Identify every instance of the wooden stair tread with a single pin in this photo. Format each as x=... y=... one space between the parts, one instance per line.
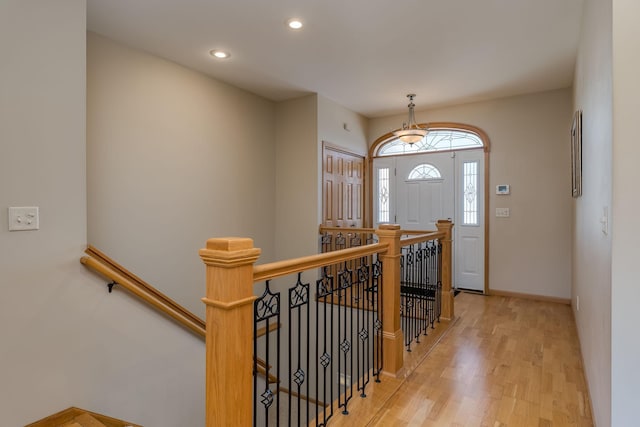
x=84 y=420
x=76 y=417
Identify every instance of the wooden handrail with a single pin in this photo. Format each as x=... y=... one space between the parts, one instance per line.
x=353 y=230
x=408 y=232
x=302 y=396
x=109 y=268
x=263 y=331
x=114 y=271
x=261 y=367
x=322 y=228
x=295 y=265
x=155 y=299
x=422 y=237
x=138 y=282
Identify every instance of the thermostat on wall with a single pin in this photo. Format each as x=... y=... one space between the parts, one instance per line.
x=503 y=189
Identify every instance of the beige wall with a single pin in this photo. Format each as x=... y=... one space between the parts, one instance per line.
x=332 y=119
x=174 y=158
x=592 y=247
x=65 y=340
x=625 y=289
x=530 y=252
x=297 y=201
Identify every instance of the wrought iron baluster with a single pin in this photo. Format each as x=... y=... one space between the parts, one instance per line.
x=345 y=326
x=266 y=308
x=324 y=317
x=326 y=242
x=363 y=326
x=298 y=299
x=377 y=298
x=420 y=291
x=431 y=281
x=439 y=282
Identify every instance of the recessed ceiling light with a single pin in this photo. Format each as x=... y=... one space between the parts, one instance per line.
x=294 y=23
x=220 y=54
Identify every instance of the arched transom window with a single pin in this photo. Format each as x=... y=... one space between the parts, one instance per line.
x=436 y=140
x=424 y=171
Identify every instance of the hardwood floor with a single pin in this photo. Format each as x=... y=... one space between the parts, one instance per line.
x=504 y=362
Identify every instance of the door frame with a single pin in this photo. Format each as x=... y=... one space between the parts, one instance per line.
x=373 y=151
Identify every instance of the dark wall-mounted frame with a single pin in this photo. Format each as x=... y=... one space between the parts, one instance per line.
x=576 y=154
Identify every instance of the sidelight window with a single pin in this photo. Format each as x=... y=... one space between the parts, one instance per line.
x=470 y=193
x=383 y=195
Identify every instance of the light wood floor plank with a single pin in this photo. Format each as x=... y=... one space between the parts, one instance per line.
x=504 y=362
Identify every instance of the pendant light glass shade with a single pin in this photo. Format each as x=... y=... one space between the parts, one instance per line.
x=411 y=132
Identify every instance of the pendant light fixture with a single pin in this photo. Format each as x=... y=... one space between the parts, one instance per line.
x=411 y=132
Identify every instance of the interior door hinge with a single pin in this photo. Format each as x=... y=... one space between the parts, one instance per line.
x=395 y=172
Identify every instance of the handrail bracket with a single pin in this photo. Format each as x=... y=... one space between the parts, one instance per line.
x=111 y=285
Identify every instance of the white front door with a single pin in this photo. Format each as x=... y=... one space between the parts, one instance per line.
x=416 y=196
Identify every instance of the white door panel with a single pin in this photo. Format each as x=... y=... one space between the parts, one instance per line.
x=412 y=203
x=469 y=246
x=436 y=210
x=422 y=202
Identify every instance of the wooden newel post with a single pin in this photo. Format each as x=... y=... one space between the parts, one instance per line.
x=229 y=303
x=392 y=337
x=446 y=226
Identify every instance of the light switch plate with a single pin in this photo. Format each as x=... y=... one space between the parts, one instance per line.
x=24 y=218
x=604 y=221
x=503 y=212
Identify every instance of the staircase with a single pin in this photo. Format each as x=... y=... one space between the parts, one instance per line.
x=76 y=417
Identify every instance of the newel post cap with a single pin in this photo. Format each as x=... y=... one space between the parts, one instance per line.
x=229 y=243
x=229 y=251
x=445 y=225
x=389 y=227
x=389 y=231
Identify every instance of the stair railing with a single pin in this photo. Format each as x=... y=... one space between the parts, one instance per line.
x=349 y=277
x=99 y=262
x=421 y=262
x=420 y=285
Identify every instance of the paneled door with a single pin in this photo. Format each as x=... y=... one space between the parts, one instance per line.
x=425 y=186
x=342 y=188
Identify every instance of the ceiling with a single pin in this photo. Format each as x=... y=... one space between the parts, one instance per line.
x=363 y=54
